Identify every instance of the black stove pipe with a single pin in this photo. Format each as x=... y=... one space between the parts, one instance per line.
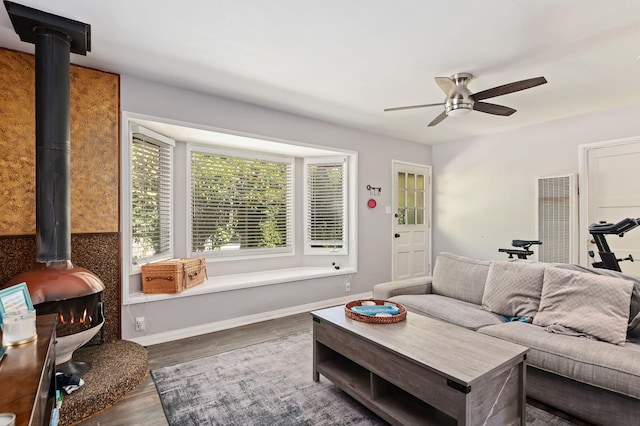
x=53 y=147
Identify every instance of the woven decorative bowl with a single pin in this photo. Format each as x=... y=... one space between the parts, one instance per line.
x=373 y=319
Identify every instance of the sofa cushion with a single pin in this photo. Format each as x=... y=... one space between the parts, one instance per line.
x=601 y=364
x=633 y=330
x=592 y=304
x=450 y=310
x=419 y=285
x=513 y=288
x=460 y=277
x=634 y=309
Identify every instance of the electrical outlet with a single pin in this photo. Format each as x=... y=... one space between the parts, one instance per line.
x=140 y=324
x=347 y=286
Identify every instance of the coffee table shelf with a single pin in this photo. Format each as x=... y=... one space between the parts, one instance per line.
x=340 y=369
x=421 y=371
x=382 y=397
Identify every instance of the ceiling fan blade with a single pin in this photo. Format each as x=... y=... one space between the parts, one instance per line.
x=509 y=88
x=493 y=108
x=413 y=106
x=447 y=85
x=438 y=119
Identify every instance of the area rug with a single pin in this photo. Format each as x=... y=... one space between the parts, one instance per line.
x=268 y=384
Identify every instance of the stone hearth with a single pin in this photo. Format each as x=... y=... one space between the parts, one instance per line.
x=117 y=369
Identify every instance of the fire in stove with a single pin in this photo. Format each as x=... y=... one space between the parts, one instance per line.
x=76 y=314
x=75 y=321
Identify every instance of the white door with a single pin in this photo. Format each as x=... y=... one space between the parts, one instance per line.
x=411 y=220
x=613 y=173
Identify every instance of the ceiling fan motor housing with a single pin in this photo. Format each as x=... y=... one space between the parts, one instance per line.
x=460 y=101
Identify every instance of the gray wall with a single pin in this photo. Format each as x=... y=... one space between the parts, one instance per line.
x=485 y=188
x=375 y=153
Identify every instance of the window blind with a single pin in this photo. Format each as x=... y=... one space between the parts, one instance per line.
x=325 y=205
x=151 y=193
x=240 y=204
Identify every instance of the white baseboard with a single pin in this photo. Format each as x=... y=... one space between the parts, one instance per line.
x=184 y=333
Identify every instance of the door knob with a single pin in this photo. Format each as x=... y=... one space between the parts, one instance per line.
x=397 y=235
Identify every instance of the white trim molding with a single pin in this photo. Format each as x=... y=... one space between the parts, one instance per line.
x=184 y=333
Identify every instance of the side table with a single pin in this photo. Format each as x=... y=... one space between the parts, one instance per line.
x=27 y=374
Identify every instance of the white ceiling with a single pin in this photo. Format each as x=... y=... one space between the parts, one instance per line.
x=345 y=61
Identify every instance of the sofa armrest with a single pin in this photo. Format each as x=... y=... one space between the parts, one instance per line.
x=420 y=285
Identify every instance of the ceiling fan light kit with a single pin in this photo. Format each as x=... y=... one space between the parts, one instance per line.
x=456 y=110
x=460 y=101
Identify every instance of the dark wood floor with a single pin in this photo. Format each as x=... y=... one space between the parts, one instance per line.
x=142 y=406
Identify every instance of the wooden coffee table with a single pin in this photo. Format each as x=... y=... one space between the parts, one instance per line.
x=421 y=371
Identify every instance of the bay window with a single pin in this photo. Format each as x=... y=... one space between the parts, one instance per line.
x=246 y=204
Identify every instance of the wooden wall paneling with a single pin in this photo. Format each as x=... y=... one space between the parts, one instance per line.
x=95 y=152
x=95 y=115
x=17 y=146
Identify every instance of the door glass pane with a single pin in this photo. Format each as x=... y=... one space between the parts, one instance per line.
x=411 y=217
x=411 y=198
x=401 y=216
x=401 y=180
x=401 y=199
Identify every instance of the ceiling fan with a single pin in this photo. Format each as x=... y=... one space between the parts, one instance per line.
x=461 y=101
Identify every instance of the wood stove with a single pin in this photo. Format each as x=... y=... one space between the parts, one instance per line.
x=55 y=284
x=74 y=294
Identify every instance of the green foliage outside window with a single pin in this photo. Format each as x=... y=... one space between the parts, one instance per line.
x=239 y=203
x=151 y=189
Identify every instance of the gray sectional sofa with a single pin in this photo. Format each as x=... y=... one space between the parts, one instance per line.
x=582 y=326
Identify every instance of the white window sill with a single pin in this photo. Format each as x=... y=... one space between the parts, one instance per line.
x=240 y=281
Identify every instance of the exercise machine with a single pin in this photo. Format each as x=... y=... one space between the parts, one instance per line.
x=599 y=232
x=522 y=248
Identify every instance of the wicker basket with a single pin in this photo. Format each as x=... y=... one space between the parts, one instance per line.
x=173 y=276
x=372 y=319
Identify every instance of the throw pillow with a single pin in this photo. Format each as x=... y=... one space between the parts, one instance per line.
x=634 y=310
x=633 y=330
x=513 y=288
x=460 y=277
x=634 y=314
x=591 y=304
